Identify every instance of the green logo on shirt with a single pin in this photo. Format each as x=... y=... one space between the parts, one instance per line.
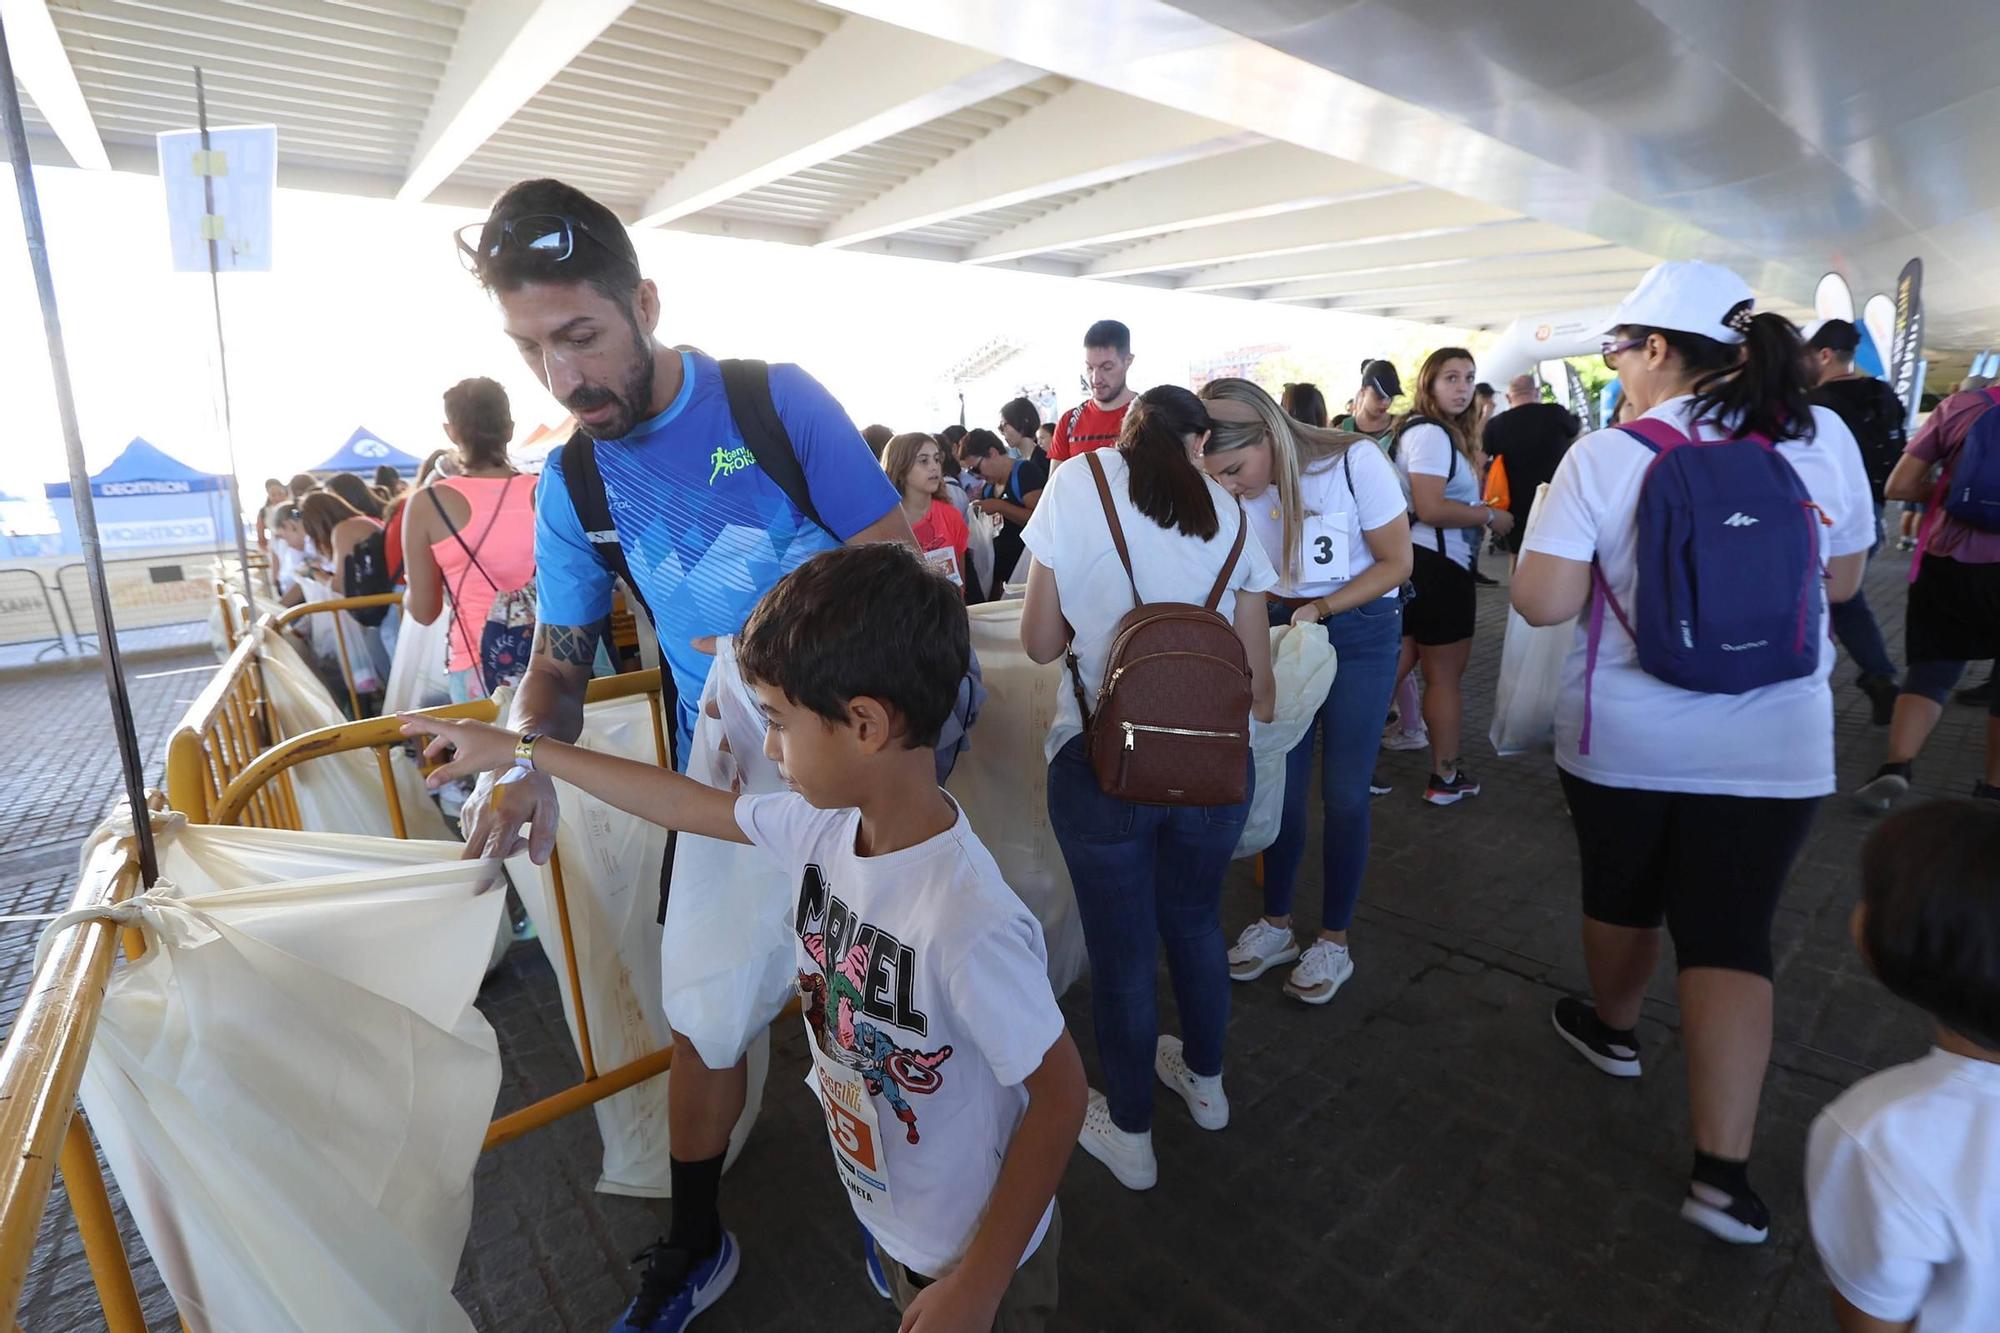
x=729 y=462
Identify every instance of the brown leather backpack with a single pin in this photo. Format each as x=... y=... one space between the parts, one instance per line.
x=1172 y=722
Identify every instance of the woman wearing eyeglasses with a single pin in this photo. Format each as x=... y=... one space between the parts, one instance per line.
x=1691 y=786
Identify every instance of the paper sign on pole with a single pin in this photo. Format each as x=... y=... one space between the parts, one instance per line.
x=242 y=166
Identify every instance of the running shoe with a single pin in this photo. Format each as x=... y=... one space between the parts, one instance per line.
x=1740 y=1219
x=1881 y=692
x=1128 y=1156
x=1204 y=1096
x=1379 y=785
x=675 y=1288
x=1890 y=784
x=1438 y=791
x=1615 y=1053
x=1324 y=969
x=877 y=1279
x=1261 y=947
x=1395 y=738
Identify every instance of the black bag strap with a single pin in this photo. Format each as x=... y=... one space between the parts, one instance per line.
x=471 y=555
x=747 y=384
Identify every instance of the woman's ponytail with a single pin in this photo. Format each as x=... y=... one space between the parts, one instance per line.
x=1164 y=482
x=1759 y=388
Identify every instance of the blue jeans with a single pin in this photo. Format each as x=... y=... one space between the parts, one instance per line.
x=1365 y=641
x=1145 y=873
x=1855 y=629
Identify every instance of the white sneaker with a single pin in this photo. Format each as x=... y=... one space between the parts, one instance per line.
x=1321 y=972
x=1395 y=738
x=1261 y=947
x=1129 y=1156
x=1204 y=1096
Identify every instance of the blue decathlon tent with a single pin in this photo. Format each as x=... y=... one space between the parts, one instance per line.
x=146 y=498
x=364 y=452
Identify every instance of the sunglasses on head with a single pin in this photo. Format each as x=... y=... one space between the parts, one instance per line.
x=549 y=236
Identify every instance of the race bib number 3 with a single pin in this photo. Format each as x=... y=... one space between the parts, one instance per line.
x=1325 y=546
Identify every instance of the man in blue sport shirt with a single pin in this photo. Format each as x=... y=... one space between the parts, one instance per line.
x=705 y=532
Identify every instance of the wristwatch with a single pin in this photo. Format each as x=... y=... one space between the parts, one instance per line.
x=524 y=758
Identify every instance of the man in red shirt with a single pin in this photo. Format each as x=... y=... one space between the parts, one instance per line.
x=1107 y=356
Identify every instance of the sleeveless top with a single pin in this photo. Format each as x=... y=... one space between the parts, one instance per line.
x=501 y=532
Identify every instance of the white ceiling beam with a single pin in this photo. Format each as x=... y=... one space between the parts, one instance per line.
x=1608 y=262
x=1083 y=136
x=43 y=67
x=1263 y=181
x=1412 y=211
x=506 y=51
x=865 y=82
x=1388 y=253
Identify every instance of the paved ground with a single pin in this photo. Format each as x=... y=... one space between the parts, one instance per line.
x=1421 y=1155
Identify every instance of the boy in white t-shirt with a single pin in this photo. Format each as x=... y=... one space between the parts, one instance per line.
x=1903 y=1169
x=952 y=1090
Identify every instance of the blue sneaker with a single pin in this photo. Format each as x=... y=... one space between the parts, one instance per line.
x=672 y=1293
x=876 y=1277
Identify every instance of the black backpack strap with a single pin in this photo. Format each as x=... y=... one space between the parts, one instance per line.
x=748 y=387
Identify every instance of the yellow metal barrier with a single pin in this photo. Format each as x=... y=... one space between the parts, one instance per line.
x=225 y=729
x=292 y=614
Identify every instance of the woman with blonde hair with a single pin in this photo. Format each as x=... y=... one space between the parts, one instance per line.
x=915 y=464
x=1332 y=520
x=1433 y=446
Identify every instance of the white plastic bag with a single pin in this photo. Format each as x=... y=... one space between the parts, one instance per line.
x=416 y=672
x=1531 y=668
x=340 y=793
x=292 y=1085
x=1303 y=662
x=1002 y=782
x=727 y=953
x=979 y=552
x=611 y=884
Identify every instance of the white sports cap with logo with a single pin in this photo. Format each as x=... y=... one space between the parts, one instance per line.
x=1689 y=296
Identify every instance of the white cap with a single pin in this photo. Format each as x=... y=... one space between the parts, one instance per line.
x=1689 y=296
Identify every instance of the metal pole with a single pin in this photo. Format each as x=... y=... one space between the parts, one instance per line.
x=79 y=474
x=221 y=347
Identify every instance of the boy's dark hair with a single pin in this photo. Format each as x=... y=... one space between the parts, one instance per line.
x=980 y=442
x=951 y=434
x=1109 y=333
x=876 y=436
x=1930 y=878
x=478 y=410
x=387 y=477
x=875 y=620
x=1021 y=414
x=601 y=251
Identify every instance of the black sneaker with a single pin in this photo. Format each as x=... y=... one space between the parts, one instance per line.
x=1616 y=1053
x=1981 y=695
x=1379 y=785
x=1890 y=784
x=1740 y=1219
x=1484 y=580
x=1881 y=692
x=1440 y=792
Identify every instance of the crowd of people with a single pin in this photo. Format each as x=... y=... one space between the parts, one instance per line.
x=1708 y=546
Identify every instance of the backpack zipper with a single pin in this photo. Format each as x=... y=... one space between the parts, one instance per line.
x=1132 y=728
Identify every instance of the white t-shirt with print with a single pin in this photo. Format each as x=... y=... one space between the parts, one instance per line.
x=928 y=965
x=1774 y=741
x=1903 y=1189
x=1334 y=545
x=1426 y=450
x=1068 y=533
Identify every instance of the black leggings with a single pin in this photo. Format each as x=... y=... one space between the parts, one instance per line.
x=1710 y=867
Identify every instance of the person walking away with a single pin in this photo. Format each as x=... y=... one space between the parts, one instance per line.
x=1954 y=609
x=1432 y=446
x=1145 y=874
x=1529 y=440
x=1694 y=737
x=1330 y=519
x=471 y=537
x=1095 y=423
x=1013 y=487
x=915 y=466
x=954 y=1105
x=1874 y=416
x=704 y=530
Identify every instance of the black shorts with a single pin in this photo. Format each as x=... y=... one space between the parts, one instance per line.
x=1954 y=612
x=1710 y=867
x=1446 y=602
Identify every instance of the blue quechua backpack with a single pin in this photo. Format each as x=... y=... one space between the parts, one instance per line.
x=1972 y=484
x=1728 y=597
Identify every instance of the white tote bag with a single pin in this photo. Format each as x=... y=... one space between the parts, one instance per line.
x=292 y=1086
x=1303 y=662
x=1531 y=668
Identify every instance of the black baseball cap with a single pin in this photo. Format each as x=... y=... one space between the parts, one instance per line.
x=1835 y=335
x=1381 y=376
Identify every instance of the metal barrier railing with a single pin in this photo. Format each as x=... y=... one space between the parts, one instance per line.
x=144 y=591
x=27 y=611
x=224 y=730
x=292 y=614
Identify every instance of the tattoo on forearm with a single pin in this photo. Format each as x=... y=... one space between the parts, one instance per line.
x=573 y=645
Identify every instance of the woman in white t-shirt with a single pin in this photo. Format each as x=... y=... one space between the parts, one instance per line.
x=1143 y=874
x=1433 y=446
x=1332 y=520
x=1689 y=807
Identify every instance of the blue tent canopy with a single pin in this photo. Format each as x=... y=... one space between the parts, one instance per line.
x=144 y=469
x=364 y=452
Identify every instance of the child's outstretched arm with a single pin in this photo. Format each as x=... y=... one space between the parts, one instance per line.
x=966 y=1297
x=656 y=795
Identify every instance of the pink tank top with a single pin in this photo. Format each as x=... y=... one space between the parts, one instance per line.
x=501 y=535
